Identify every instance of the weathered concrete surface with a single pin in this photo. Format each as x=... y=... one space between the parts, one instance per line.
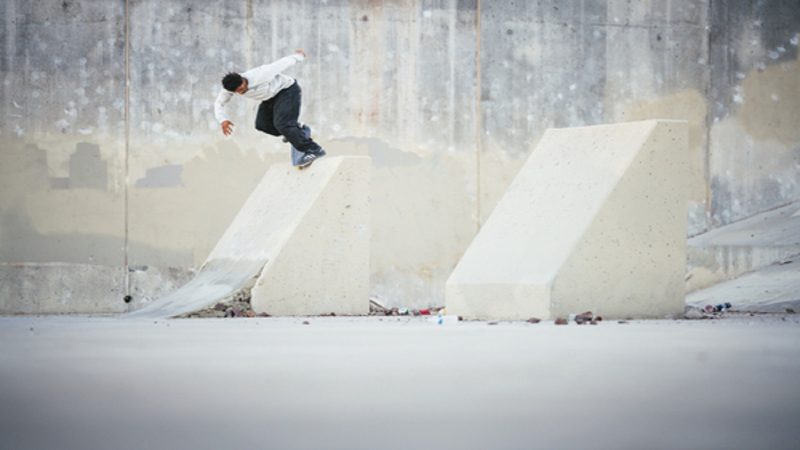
x=61 y=288
x=73 y=288
x=770 y=289
x=754 y=151
x=595 y=220
x=323 y=264
x=730 y=251
x=303 y=235
x=367 y=383
x=448 y=97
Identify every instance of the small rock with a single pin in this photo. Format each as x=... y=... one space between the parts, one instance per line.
x=561 y=321
x=305 y=322
x=220 y=307
x=250 y=313
x=531 y=320
x=622 y=321
x=263 y=315
x=692 y=313
x=790 y=311
x=491 y=323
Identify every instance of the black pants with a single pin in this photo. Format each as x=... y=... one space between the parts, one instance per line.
x=278 y=117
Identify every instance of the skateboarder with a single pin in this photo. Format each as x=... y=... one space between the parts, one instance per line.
x=280 y=98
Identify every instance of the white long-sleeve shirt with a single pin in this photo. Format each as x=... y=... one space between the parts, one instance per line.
x=263 y=83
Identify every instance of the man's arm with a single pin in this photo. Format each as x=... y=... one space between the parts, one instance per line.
x=221 y=113
x=268 y=71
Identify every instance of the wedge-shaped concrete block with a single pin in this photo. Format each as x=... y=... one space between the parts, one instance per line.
x=595 y=220
x=300 y=245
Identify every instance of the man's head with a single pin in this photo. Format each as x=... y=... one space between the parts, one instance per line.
x=234 y=82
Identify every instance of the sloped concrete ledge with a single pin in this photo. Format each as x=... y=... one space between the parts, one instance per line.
x=595 y=220
x=303 y=236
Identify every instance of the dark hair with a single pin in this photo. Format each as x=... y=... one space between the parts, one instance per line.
x=232 y=81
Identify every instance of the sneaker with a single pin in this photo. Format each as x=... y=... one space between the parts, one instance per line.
x=307 y=159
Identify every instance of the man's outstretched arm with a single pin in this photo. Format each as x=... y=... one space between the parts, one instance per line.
x=268 y=71
x=221 y=111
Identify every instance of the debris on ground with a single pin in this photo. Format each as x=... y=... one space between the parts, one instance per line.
x=586 y=317
x=376 y=308
x=561 y=321
x=790 y=311
x=534 y=320
x=693 y=313
x=717 y=308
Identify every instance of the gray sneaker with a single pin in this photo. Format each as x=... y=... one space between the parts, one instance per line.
x=309 y=158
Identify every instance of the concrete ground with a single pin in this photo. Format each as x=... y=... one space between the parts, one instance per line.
x=368 y=382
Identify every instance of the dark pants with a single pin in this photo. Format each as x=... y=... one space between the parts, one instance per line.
x=278 y=117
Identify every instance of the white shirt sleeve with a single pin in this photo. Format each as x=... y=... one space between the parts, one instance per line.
x=268 y=71
x=220 y=108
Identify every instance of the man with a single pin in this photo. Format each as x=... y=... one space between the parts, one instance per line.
x=280 y=98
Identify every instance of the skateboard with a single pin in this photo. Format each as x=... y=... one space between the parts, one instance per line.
x=297 y=155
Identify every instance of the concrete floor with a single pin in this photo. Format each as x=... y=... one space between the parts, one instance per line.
x=106 y=383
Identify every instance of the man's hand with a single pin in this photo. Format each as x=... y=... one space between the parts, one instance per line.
x=300 y=51
x=227 y=127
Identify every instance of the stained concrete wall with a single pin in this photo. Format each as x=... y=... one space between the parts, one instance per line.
x=447 y=97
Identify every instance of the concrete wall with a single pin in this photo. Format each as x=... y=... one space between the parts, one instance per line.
x=448 y=97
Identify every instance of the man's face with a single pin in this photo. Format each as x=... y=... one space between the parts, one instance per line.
x=242 y=87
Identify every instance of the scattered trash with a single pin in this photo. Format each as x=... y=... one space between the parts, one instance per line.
x=561 y=321
x=717 y=308
x=584 y=317
x=376 y=308
x=425 y=312
x=533 y=320
x=402 y=311
x=444 y=320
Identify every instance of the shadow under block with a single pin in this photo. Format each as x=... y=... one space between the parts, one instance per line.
x=595 y=220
